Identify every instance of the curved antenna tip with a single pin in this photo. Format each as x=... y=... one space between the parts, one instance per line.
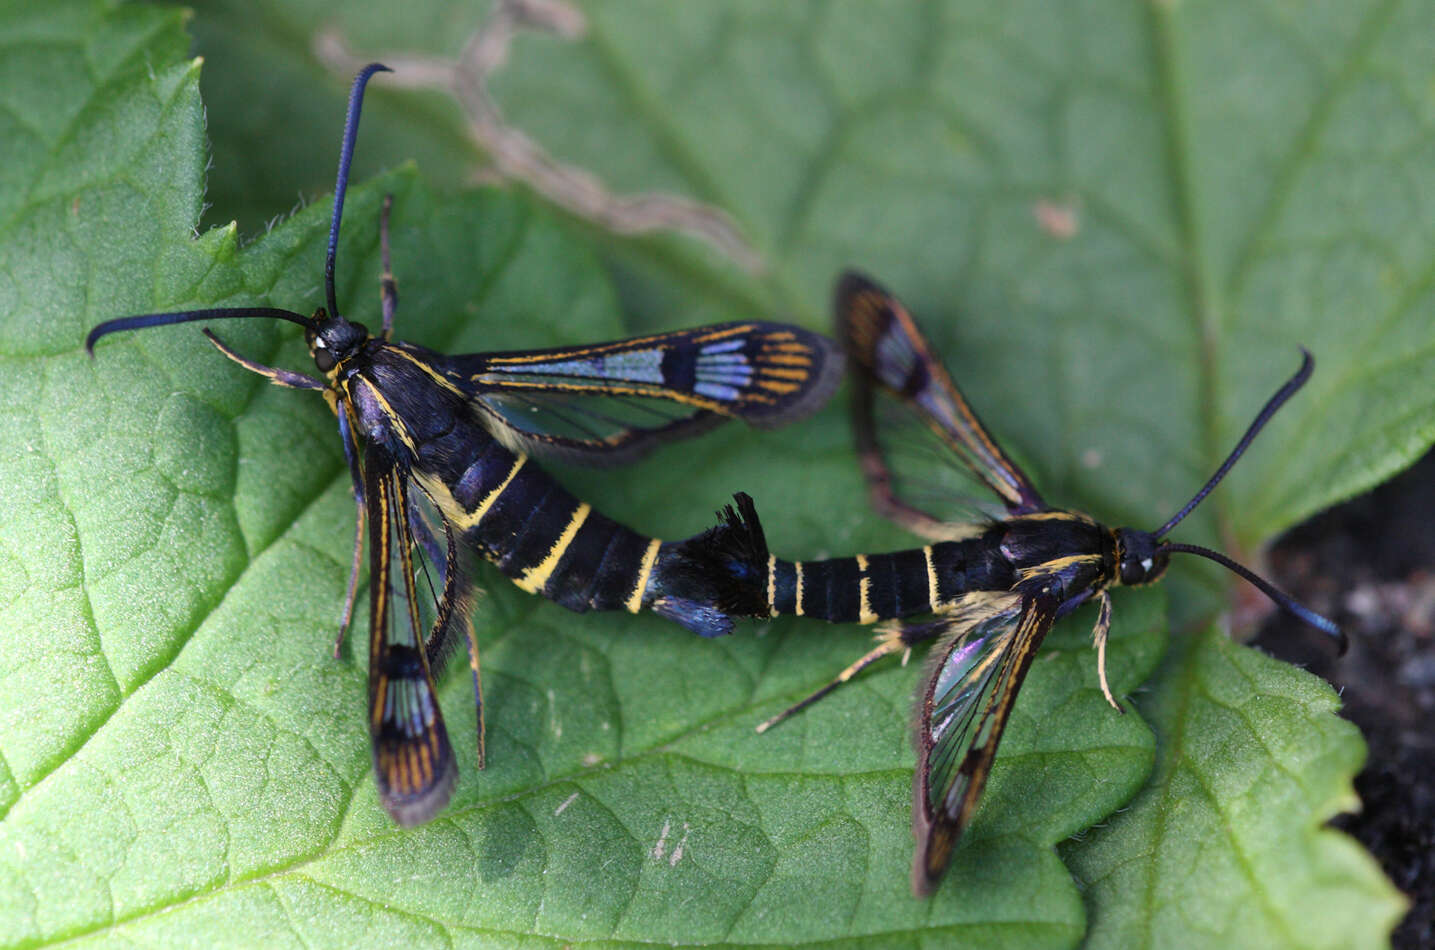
x=1281 y=599
x=341 y=181
x=1287 y=390
x=142 y=321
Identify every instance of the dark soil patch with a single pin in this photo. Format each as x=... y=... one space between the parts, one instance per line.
x=1370 y=565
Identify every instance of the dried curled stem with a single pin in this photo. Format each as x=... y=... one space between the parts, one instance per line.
x=517 y=157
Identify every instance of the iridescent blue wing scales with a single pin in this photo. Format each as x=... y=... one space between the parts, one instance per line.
x=611 y=402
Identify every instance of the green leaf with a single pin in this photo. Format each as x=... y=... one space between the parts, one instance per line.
x=182 y=762
x=1250 y=755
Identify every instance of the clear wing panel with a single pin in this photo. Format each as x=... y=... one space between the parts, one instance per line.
x=964 y=706
x=618 y=399
x=892 y=356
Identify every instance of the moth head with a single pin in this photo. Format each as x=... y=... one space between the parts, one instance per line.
x=1162 y=549
x=332 y=340
x=1140 y=557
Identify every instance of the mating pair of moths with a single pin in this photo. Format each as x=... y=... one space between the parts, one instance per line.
x=438 y=449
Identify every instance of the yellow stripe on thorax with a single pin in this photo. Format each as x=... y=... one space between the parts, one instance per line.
x=396 y=422
x=427 y=368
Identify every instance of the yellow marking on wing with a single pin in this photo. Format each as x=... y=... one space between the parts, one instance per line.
x=778 y=387
x=865 y=613
x=650 y=557
x=1057 y=564
x=652 y=391
x=773 y=359
x=534 y=578
x=776 y=373
x=428 y=370
x=738 y=330
x=976 y=607
x=580 y=352
x=969 y=436
x=381 y=697
x=379 y=599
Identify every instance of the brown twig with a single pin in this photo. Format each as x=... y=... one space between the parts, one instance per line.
x=515 y=155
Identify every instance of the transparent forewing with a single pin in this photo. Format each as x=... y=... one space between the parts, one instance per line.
x=446 y=596
x=963 y=709
x=911 y=474
x=890 y=353
x=413 y=761
x=441 y=579
x=429 y=556
x=618 y=399
x=591 y=429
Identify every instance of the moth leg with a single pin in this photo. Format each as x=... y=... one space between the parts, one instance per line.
x=454 y=608
x=457 y=608
x=351 y=455
x=279 y=377
x=349 y=595
x=477 y=694
x=388 y=287
x=1103 y=627
x=891 y=639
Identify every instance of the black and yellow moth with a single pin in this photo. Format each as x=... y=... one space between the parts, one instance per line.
x=438 y=448
x=993 y=584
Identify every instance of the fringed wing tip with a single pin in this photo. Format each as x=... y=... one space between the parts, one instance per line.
x=410 y=810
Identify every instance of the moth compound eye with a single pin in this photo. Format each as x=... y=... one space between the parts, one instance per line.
x=322 y=357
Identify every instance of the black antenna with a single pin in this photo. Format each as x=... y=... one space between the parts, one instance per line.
x=341 y=184
x=346 y=154
x=140 y=321
x=1282 y=599
x=1275 y=402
